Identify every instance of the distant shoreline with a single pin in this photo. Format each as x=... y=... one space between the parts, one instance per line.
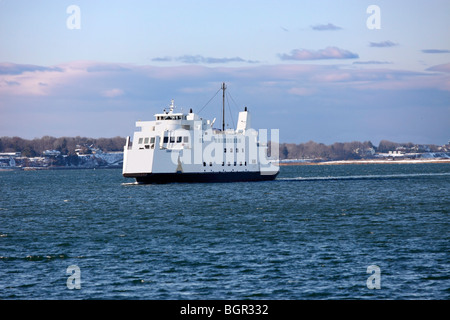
x=344 y=162
x=57 y=168
x=290 y=163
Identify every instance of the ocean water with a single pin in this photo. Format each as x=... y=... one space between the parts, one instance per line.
x=317 y=232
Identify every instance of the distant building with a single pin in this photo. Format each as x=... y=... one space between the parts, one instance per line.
x=396 y=153
x=10 y=154
x=7 y=159
x=51 y=153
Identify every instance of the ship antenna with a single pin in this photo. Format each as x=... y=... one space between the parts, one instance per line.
x=223 y=106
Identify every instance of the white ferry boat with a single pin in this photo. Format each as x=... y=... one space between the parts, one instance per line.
x=182 y=147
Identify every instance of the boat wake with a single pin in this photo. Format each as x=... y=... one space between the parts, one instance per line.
x=131 y=183
x=366 y=177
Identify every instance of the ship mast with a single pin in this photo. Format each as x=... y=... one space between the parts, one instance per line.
x=223 y=106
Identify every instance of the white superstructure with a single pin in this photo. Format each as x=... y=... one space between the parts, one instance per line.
x=182 y=147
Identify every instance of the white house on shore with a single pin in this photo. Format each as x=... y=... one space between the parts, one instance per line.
x=51 y=153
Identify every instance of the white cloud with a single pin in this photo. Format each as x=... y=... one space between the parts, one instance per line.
x=301 y=91
x=327 y=53
x=112 y=93
x=198 y=59
x=78 y=90
x=325 y=27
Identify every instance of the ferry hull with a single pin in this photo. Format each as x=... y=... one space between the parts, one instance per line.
x=148 y=178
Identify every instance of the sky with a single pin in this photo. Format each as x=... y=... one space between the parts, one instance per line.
x=327 y=71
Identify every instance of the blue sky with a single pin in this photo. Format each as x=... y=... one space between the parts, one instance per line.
x=312 y=69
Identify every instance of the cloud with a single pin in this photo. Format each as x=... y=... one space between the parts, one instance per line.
x=435 y=51
x=372 y=62
x=64 y=79
x=440 y=68
x=12 y=83
x=197 y=59
x=162 y=59
x=112 y=93
x=301 y=91
x=77 y=79
x=327 y=53
x=325 y=27
x=106 y=67
x=383 y=44
x=15 y=69
x=301 y=99
x=26 y=79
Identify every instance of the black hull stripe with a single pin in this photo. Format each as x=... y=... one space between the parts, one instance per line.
x=200 y=177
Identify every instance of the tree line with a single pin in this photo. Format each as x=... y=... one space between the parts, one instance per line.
x=65 y=145
x=336 y=151
x=347 y=150
x=308 y=150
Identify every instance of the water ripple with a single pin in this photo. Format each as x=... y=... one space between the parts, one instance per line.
x=275 y=240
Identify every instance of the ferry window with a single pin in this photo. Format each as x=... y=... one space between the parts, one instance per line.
x=172 y=139
x=185 y=139
x=245 y=163
x=210 y=164
x=223 y=163
x=153 y=128
x=235 y=163
x=140 y=140
x=145 y=140
x=152 y=140
x=204 y=164
x=237 y=150
x=166 y=139
x=231 y=150
x=179 y=139
x=225 y=150
x=240 y=163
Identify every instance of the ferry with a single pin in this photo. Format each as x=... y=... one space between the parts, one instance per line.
x=183 y=147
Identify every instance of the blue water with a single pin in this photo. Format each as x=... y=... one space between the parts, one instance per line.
x=311 y=234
